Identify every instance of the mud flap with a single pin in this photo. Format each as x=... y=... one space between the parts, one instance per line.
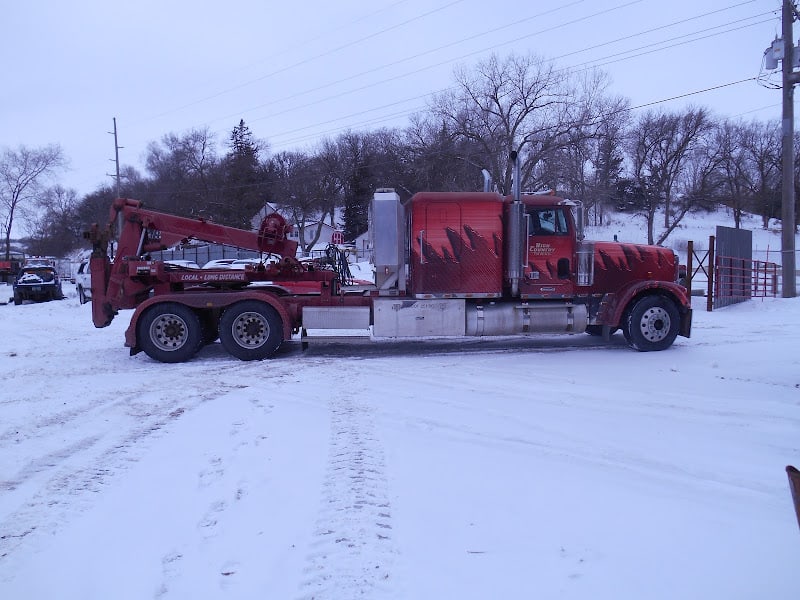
x=794 y=486
x=686 y=324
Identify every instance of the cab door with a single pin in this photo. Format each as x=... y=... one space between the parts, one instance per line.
x=551 y=254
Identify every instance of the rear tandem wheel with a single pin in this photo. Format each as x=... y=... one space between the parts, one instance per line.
x=251 y=330
x=169 y=332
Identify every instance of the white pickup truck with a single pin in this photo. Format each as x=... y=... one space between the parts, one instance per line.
x=83 y=282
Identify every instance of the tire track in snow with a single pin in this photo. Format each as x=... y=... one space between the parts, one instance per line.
x=353 y=549
x=223 y=483
x=512 y=431
x=56 y=484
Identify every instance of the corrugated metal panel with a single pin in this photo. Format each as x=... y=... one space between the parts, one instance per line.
x=733 y=276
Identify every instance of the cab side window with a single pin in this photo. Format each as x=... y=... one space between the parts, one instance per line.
x=546 y=221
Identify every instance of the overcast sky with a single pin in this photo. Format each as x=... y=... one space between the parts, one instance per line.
x=298 y=72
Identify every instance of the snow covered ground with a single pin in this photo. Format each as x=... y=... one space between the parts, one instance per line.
x=553 y=467
x=559 y=467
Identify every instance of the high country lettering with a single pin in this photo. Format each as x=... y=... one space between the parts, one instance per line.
x=540 y=248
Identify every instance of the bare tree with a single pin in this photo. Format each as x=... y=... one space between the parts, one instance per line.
x=762 y=143
x=698 y=184
x=734 y=170
x=350 y=161
x=55 y=228
x=606 y=156
x=95 y=207
x=660 y=145
x=23 y=174
x=302 y=188
x=432 y=157
x=182 y=167
x=518 y=104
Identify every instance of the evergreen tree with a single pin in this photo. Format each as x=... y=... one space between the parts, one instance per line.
x=244 y=179
x=356 y=203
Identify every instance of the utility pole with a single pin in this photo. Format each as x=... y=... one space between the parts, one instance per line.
x=116 y=156
x=790 y=78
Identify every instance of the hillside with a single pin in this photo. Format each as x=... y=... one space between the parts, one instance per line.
x=696 y=227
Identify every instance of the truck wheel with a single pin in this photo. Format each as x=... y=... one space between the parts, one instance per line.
x=250 y=330
x=17 y=299
x=169 y=332
x=652 y=324
x=81 y=294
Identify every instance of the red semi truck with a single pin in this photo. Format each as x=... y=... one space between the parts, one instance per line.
x=447 y=265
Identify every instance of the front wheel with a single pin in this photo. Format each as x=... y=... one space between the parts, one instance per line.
x=251 y=330
x=652 y=324
x=169 y=332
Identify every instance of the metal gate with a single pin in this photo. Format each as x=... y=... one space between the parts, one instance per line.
x=731 y=274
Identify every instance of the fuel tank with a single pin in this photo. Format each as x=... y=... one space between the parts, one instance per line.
x=515 y=318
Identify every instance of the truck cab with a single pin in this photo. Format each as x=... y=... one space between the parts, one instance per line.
x=551 y=236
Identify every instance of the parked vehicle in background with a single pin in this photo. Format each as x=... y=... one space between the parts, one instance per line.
x=242 y=263
x=181 y=264
x=38 y=282
x=83 y=282
x=220 y=263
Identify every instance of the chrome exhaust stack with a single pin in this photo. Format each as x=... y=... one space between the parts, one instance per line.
x=487 y=180
x=516 y=234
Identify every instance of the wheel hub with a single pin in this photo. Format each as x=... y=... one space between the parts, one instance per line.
x=655 y=324
x=250 y=330
x=169 y=332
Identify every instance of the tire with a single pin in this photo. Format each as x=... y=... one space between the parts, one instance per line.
x=17 y=299
x=251 y=330
x=652 y=324
x=169 y=332
x=81 y=295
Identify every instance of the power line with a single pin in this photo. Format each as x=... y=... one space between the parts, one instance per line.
x=312 y=58
x=483 y=50
x=627 y=109
x=668 y=25
x=394 y=115
x=694 y=93
x=590 y=65
x=697 y=39
x=414 y=72
x=409 y=58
